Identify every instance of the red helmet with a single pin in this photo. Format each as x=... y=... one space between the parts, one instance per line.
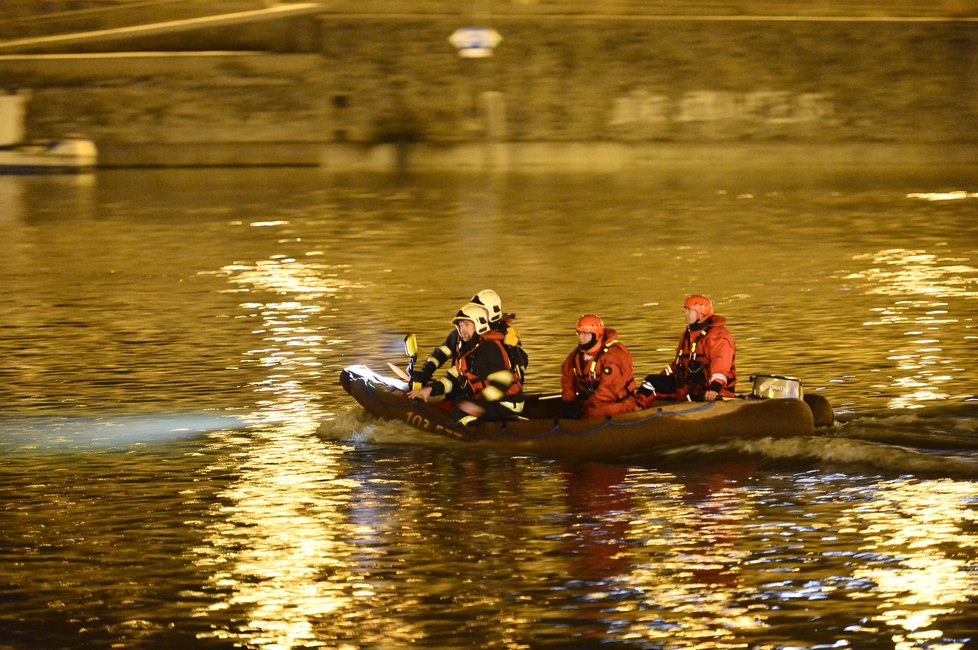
x=591 y=323
x=701 y=305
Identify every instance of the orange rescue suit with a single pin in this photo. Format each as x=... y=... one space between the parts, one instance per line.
x=705 y=359
x=603 y=383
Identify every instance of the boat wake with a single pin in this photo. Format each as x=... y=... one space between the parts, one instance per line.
x=862 y=454
x=952 y=426
x=936 y=441
x=359 y=427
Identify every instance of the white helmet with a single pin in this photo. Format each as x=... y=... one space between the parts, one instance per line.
x=489 y=300
x=475 y=313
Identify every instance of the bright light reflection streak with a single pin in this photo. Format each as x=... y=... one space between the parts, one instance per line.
x=955 y=195
x=902 y=273
x=279 y=551
x=915 y=523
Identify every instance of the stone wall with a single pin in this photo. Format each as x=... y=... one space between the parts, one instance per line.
x=656 y=80
x=562 y=79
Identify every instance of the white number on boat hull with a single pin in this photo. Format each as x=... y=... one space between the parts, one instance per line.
x=420 y=421
x=416 y=420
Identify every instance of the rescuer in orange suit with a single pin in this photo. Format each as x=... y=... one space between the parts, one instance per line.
x=704 y=368
x=597 y=377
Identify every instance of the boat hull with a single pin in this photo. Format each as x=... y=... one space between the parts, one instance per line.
x=65 y=156
x=625 y=436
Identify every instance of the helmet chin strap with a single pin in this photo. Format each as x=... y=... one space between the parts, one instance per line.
x=590 y=346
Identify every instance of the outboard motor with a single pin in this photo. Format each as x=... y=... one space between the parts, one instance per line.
x=781 y=387
x=776 y=387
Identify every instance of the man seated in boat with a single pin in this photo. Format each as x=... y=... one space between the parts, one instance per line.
x=502 y=322
x=498 y=321
x=597 y=377
x=482 y=382
x=704 y=368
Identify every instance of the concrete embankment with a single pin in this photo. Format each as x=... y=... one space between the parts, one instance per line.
x=584 y=91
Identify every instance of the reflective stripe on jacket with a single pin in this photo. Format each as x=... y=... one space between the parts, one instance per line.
x=482 y=372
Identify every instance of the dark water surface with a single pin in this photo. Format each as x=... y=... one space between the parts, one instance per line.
x=179 y=467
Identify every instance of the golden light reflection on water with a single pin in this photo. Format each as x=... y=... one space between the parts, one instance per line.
x=922 y=284
x=921 y=525
x=915 y=272
x=291 y=343
x=690 y=593
x=280 y=551
x=276 y=542
x=301 y=559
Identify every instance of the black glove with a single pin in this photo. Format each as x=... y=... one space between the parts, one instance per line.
x=419 y=379
x=647 y=388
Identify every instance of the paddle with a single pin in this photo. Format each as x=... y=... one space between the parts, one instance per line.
x=400 y=373
x=411 y=350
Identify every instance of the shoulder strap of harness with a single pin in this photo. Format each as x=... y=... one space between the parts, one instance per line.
x=477 y=384
x=579 y=370
x=691 y=343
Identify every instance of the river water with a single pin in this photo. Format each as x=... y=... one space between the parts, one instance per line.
x=180 y=468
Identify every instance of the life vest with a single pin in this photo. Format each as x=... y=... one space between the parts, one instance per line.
x=475 y=385
x=690 y=370
x=586 y=377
